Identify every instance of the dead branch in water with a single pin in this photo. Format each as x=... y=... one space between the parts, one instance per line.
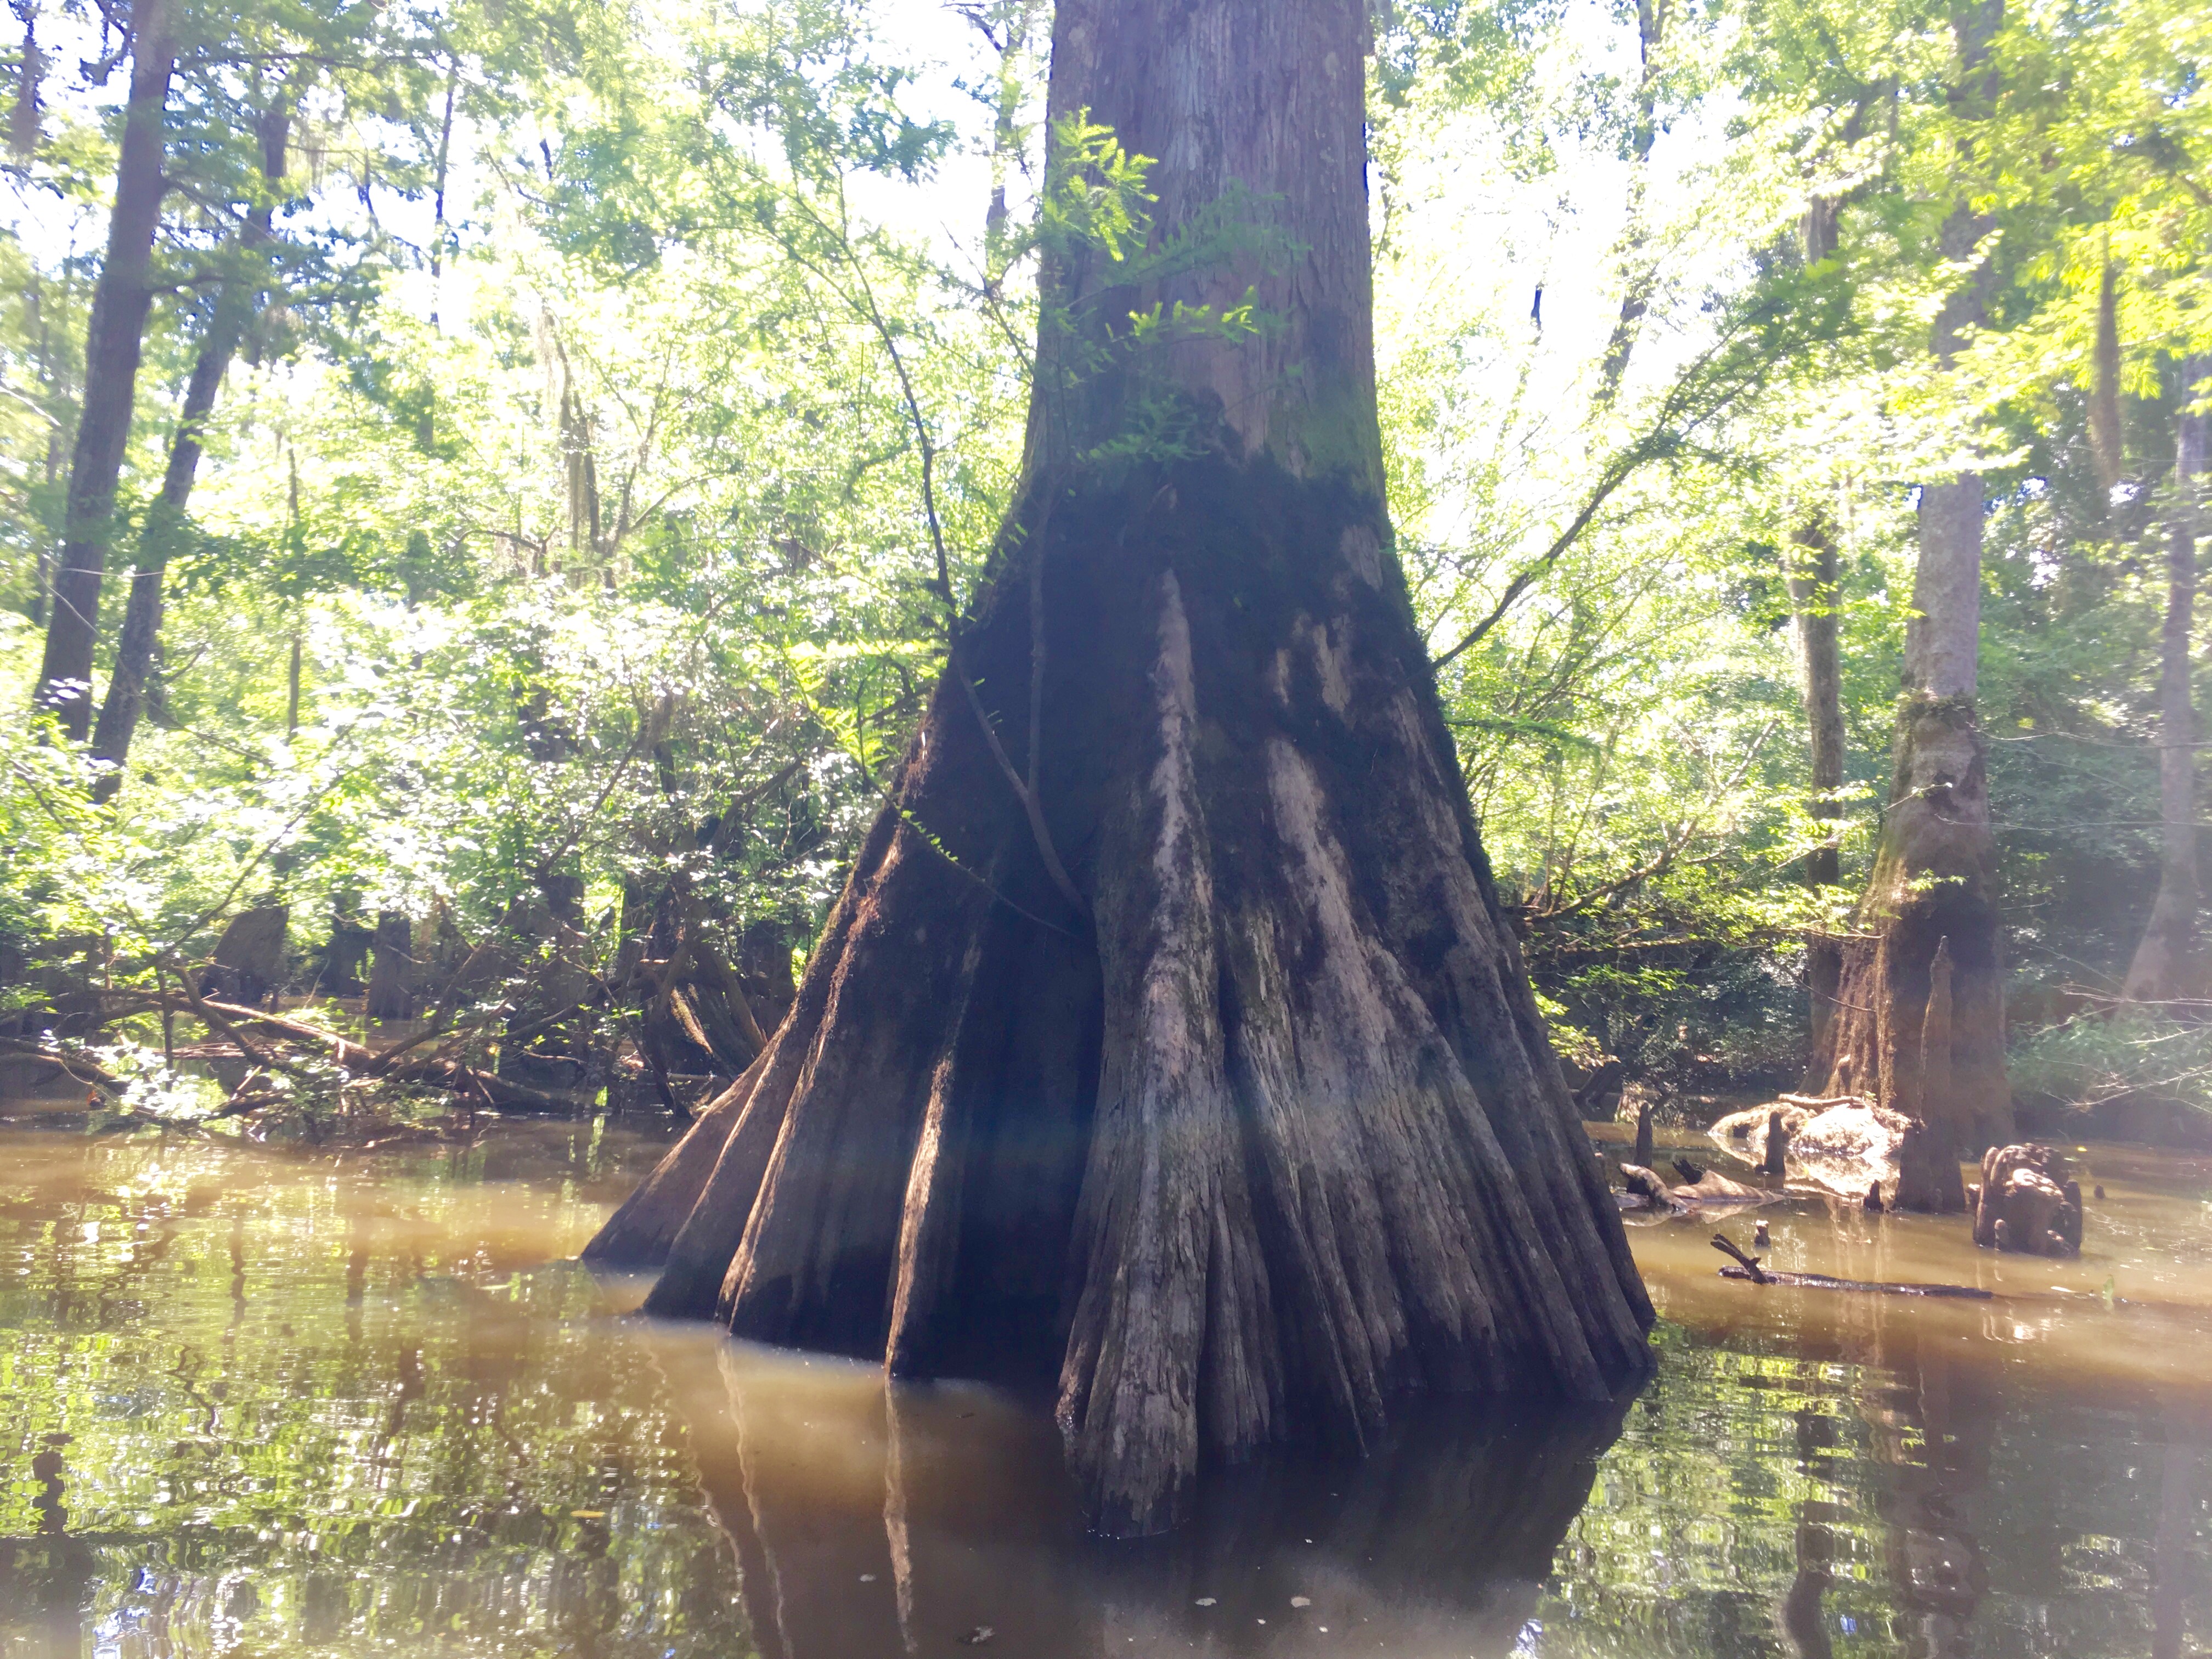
x=1751 y=1271
x=435 y=1070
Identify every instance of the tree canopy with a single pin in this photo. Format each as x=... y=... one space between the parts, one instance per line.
x=629 y=394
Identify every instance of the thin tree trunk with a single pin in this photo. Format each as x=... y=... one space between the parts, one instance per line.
x=1814 y=596
x=113 y=338
x=1637 y=270
x=23 y=118
x=292 y=688
x=2106 y=450
x=165 y=519
x=1269 y=1132
x=2167 y=965
x=428 y=431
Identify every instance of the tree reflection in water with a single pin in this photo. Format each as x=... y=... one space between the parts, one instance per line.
x=869 y=1520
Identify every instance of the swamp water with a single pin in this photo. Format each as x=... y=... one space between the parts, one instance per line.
x=260 y=1402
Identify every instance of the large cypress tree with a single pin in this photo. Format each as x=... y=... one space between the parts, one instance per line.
x=1169 y=1037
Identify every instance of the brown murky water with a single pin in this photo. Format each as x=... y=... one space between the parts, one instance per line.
x=265 y=1403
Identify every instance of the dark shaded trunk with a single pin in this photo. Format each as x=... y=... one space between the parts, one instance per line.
x=248 y=967
x=1815 y=598
x=1928 y=1160
x=1278 y=1136
x=113 y=337
x=2167 y=966
x=391 y=968
x=338 y=975
x=158 y=538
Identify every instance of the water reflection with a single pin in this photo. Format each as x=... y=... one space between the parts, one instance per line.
x=869 y=1522
x=263 y=1405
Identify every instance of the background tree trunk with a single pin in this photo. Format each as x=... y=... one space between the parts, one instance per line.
x=1274 y=1134
x=113 y=340
x=2106 y=450
x=1934 y=876
x=391 y=969
x=2166 y=967
x=1814 y=595
x=233 y=306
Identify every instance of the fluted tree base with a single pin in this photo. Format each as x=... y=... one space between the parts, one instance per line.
x=1272 y=1136
x=1919 y=1022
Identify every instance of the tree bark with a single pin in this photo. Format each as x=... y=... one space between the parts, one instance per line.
x=1274 y=1135
x=1814 y=580
x=1934 y=876
x=113 y=337
x=2167 y=966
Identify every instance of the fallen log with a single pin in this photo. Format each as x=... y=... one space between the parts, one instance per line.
x=1747 y=1267
x=439 y=1071
x=1711 y=1190
x=1823 y=1282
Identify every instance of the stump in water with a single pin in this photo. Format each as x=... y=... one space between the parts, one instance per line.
x=248 y=964
x=338 y=973
x=2028 y=1201
x=1261 y=1129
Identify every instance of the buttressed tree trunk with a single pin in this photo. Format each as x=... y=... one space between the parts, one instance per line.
x=2167 y=967
x=113 y=336
x=1934 y=874
x=1274 y=1134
